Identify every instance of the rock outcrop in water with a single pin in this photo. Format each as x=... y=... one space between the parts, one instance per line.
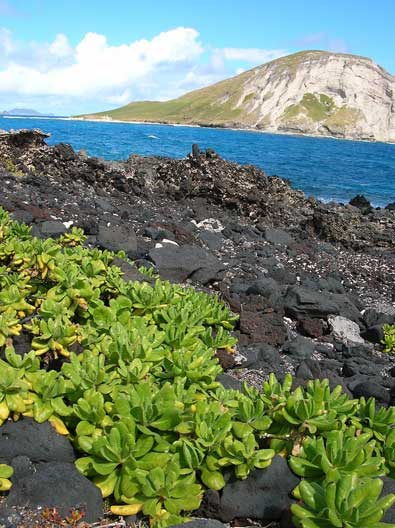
x=311 y=92
x=313 y=284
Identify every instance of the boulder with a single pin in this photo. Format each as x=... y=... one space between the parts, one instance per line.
x=186 y=262
x=360 y=202
x=264 y=495
x=38 y=442
x=371 y=389
x=266 y=287
x=311 y=327
x=298 y=348
x=229 y=382
x=388 y=487
x=57 y=485
x=260 y=355
x=301 y=302
x=116 y=238
x=262 y=328
x=50 y=228
x=344 y=330
x=131 y=273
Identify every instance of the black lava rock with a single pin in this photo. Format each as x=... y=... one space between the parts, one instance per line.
x=57 y=485
x=264 y=495
x=38 y=442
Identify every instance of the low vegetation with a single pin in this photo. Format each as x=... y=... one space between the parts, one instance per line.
x=127 y=371
x=389 y=338
x=313 y=106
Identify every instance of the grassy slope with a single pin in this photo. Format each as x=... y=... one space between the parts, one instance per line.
x=200 y=106
x=213 y=105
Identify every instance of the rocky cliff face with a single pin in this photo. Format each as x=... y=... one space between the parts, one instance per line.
x=312 y=92
x=323 y=93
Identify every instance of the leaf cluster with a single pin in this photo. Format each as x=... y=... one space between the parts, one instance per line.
x=128 y=372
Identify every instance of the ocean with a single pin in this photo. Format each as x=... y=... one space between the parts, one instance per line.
x=329 y=169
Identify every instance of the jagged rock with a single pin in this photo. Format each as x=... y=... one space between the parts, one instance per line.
x=260 y=355
x=301 y=303
x=262 y=328
x=311 y=327
x=298 y=348
x=361 y=203
x=345 y=330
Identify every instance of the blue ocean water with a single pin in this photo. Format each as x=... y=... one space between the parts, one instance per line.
x=329 y=169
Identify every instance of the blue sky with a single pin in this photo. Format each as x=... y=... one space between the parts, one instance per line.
x=82 y=56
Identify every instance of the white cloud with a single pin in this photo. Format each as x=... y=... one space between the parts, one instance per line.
x=60 y=47
x=252 y=55
x=95 y=74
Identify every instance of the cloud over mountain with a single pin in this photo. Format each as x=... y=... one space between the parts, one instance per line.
x=95 y=72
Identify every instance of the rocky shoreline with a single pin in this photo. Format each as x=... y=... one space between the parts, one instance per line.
x=313 y=283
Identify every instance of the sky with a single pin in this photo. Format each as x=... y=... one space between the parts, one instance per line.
x=79 y=56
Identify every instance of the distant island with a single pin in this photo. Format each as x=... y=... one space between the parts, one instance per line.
x=311 y=92
x=26 y=112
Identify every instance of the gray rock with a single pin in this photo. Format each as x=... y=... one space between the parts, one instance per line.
x=371 y=389
x=116 y=238
x=344 y=330
x=388 y=487
x=52 y=228
x=212 y=240
x=57 y=485
x=186 y=262
x=260 y=355
x=22 y=216
x=278 y=237
x=301 y=302
x=104 y=204
x=131 y=273
x=265 y=287
x=229 y=382
x=299 y=348
x=38 y=442
x=264 y=495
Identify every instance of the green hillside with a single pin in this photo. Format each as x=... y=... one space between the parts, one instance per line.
x=214 y=104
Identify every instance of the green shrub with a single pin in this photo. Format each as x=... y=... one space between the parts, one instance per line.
x=389 y=338
x=127 y=371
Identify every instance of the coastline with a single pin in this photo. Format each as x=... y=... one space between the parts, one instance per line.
x=236 y=129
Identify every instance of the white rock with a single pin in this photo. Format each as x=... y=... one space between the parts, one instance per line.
x=167 y=241
x=209 y=224
x=345 y=330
